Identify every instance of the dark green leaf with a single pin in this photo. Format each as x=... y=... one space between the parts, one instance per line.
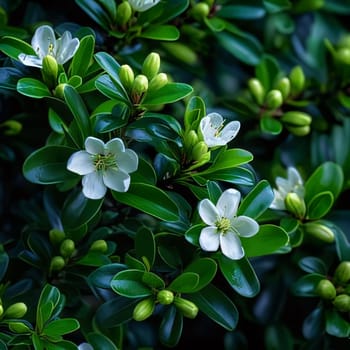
x=243 y=12
x=185 y=283
x=313 y=264
x=336 y=325
x=12 y=47
x=319 y=205
x=274 y=6
x=33 y=88
x=170 y=329
x=313 y=325
x=169 y=93
x=161 y=32
x=270 y=125
x=82 y=58
x=145 y=245
x=61 y=327
x=205 y=268
x=102 y=277
x=306 y=285
x=100 y=341
x=96 y=12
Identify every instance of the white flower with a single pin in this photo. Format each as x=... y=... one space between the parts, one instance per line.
x=103 y=165
x=85 y=346
x=142 y=5
x=293 y=183
x=44 y=43
x=224 y=226
x=215 y=133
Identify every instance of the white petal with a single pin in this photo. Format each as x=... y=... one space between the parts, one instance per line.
x=228 y=203
x=142 y=5
x=127 y=161
x=94 y=145
x=43 y=37
x=93 y=186
x=294 y=176
x=116 y=179
x=85 y=346
x=245 y=226
x=216 y=119
x=81 y=163
x=231 y=246
x=230 y=131
x=66 y=47
x=278 y=201
x=115 y=146
x=209 y=239
x=31 y=61
x=208 y=212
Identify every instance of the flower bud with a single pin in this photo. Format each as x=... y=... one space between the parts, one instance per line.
x=1 y=310
x=187 y=307
x=182 y=52
x=297 y=80
x=151 y=65
x=12 y=127
x=57 y=263
x=326 y=290
x=295 y=205
x=16 y=310
x=257 y=90
x=19 y=327
x=157 y=82
x=124 y=12
x=190 y=139
x=283 y=85
x=143 y=309
x=49 y=71
x=67 y=248
x=343 y=55
x=59 y=90
x=274 y=99
x=126 y=76
x=342 y=272
x=200 y=11
x=199 y=150
x=342 y=302
x=319 y=231
x=299 y=130
x=100 y=246
x=165 y=297
x=296 y=118
x=56 y=236
x=140 y=85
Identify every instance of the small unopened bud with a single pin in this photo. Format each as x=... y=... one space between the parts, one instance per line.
x=157 y=82
x=67 y=248
x=56 y=236
x=298 y=130
x=59 y=90
x=11 y=127
x=16 y=310
x=143 y=309
x=342 y=302
x=199 y=150
x=342 y=272
x=296 y=118
x=182 y=52
x=343 y=55
x=200 y=11
x=295 y=205
x=319 y=231
x=49 y=71
x=165 y=297
x=326 y=290
x=190 y=139
x=100 y=246
x=257 y=90
x=126 y=76
x=19 y=327
x=274 y=99
x=187 y=307
x=297 y=80
x=57 y=263
x=283 y=85
x=140 y=85
x=151 y=65
x=124 y=12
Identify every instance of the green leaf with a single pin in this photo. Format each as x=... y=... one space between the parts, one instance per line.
x=161 y=32
x=33 y=88
x=102 y=276
x=149 y=199
x=194 y=112
x=170 y=328
x=267 y=71
x=319 y=205
x=313 y=264
x=336 y=325
x=217 y=306
x=100 y=341
x=12 y=47
x=96 y=12
x=145 y=245
x=243 y=12
x=240 y=275
x=48 y=165
x=112 y=90
x=341 y=242
x=4 y=261
x=169 y=93
x=185 y=283
x=277 y=337
x=268 y=240
x=82 y=58
x=313 y=325
x=270 y=125
x=273 y=6
x=306 y=285
x=205 y=268
x=61 y=327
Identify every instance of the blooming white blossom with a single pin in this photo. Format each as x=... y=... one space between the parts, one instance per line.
x=224 y=226
x=103 y=165
x=215 y=133
x=142 y=5
x=293 y=183
x=44 y=43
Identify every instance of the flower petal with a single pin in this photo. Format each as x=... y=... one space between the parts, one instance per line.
x=208 y=212
x=116 y=179
x=66 y=47
x=80 y=163
x=30 y=60
x=228 y=202
x=43 y=37
x=93 y=186
x=127 y=161
x=294 y=176
x=94 y=145
x=278 y=201
x=142 y=5
x=231 y=246
x=115 y=146
x=230 y=131
x=216 y=119
x=245 y=226
x=209 y=239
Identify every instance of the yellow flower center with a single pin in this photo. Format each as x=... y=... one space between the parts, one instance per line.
x=223 y=225
x=104 y=161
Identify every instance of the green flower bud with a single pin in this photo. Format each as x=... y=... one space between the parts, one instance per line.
x=59 y=90
x=57 y=263
x=283 y=85
x=157 y=82
x=1 y=310
x=19 y=327
x=257 y=90
x=200 y=11
x=49 y=71
x=190 y=139
x=343 y=55
x=126 y=76
x=67 y=248
x=124 y=12
x=342 y=302
x=12 y=127
x=274 y=99
x=181 y=52
x=151 y=65
x=56 y=236
x=297 y=80
x=298 y=130
x=326 y=290
x=296 y=118
x=342 y=272
x=143 y=309
x=16 y=310
x=187 y=307
x=319 y=231
x=199 y=150
x=295 y=205
x=100 y=246
x=140 y=85
x=165 y=297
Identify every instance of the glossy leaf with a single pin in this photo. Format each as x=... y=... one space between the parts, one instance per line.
x=242 y=12
x=100 y=341
x=82 y=58
x=274 y=6
x=306 y=285
x=313 y=264
x=319 y=205
x=61 y=327
x=313 y=325
x=12 y=47
x=170 y=328
x=4 y=261
x=161 y=32
x=32 y=88
x=336 y=325
x=270 y=125
x=95 y=11
x=145 y=245
x=185 y=283
x=102 y=277
x=169 y=93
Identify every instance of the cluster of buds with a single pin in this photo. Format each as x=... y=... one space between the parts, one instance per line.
x=145 y=307
x=16 y=310
x=149 y=80
x=337 y=290
x=286 y=89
